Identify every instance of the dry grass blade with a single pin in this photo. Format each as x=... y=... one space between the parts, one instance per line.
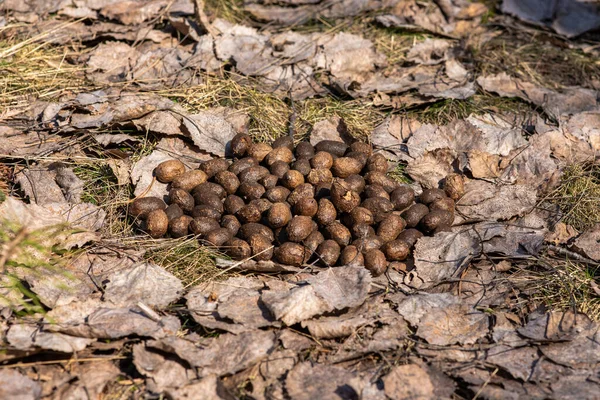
x=270 y=114
x=567 y=285
x=29 y=69
x=578 y=195
x=185 y=258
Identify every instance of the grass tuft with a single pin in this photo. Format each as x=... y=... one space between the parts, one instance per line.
x=578 y=195
x=270 y=115
x=36 y=71
x=570 y=286
x=186 y=259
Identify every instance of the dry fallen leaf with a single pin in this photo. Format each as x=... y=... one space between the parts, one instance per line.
x=144 y=282
x=408 y=381
x=308 y=381
x=333 y=289
x=568 y=101
x=569 y=18
x=454 y=324
x=162 y=372
x=587 y=243
x=13 y=385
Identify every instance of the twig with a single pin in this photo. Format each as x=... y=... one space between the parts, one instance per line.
x=148 y=312
x=202 y=18
x=572 y=255
x=50 y=362
x=485 y=384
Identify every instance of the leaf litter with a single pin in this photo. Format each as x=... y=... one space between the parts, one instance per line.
x=292 y=332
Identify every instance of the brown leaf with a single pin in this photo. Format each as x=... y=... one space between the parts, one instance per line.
x=229 y=353
x=13 y=385
x=232 y=305
x=568 y=101
x=207 y=388
x=144 y=282
x=445 y=255
x=162 y=372
x=210 y=131
x=84 y=216
x=486 y=201
x=581 y=352
x=454 y=324
x=332 y=128
x=27 y=337
x=429 y=52
x=483 y=165
x=408 y=381
x=92 y=378
x=133 y=12
x=555 y=326
x=587 y=243
x=308 y=381
x=568 y=18
x=333 y=289
x=95 y=319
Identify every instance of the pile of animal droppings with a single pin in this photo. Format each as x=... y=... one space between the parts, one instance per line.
x=331 y=204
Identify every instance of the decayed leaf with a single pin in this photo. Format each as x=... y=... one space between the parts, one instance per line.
x=432 y=167
x=453 y=324
x=299 y=12
x=587 y=243
x=84 y=216
x=27 y=337
x=555 y=326
x=317 y=381
x=485 y=201
x=373 y=312
x=208 y=388
x=332 y=128
x=229 y=353
x=133 y=12
x=92 y=378
x=392 y=133
x=519 y=362
x=569 y=18
x=294 y=341
x=414 y=308
x=210 y=132
x=233 y=305
x=582 y=351
x=409 y=381
x=429 y=52
x=569 y=101
x=163 y=372
x=334 y=289
x=444 y=256
x=145 y=282
x=95 y=319
x=13 y=385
